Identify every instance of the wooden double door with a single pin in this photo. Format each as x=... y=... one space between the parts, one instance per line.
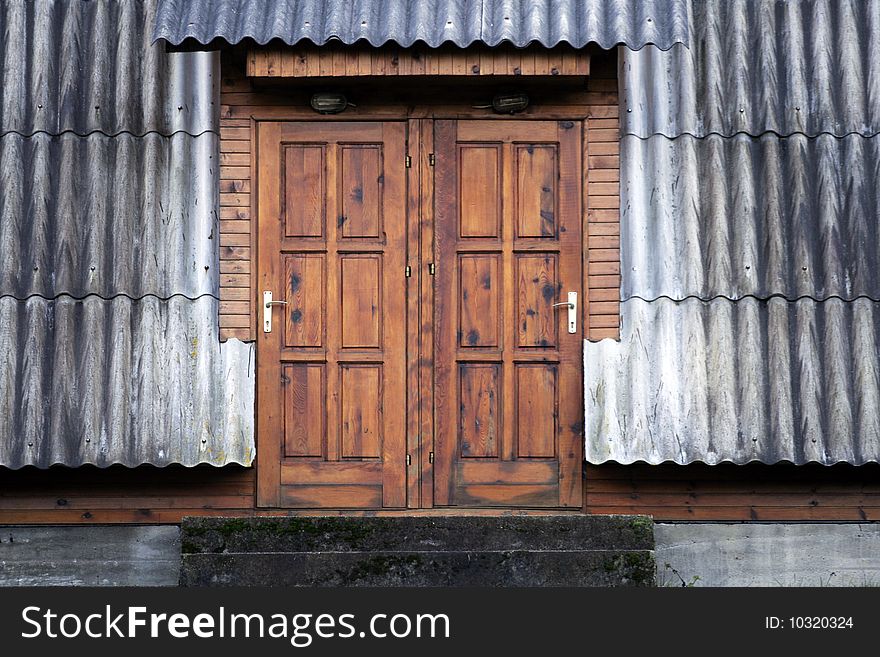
x=419 y=350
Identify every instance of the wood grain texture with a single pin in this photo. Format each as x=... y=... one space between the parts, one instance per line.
x=242 y=104
x=507 y=379
x=602 y=207
x=148 y=495
x=309 y=60
x=331 y=376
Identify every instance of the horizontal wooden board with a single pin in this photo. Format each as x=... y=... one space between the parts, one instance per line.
x=236 y=333
x=309 y=60
x=601 y=334
x=235 y=307
x=235 y=267
x=235 y=294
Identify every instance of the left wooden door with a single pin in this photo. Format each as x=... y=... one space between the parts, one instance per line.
x=331 y=373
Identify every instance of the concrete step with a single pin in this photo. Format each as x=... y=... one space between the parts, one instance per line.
x=561 y=550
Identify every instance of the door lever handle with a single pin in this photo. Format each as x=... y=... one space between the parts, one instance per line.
x=572 y=310
x=267 y=310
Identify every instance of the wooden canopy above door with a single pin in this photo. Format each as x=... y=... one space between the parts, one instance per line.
x=307 y=60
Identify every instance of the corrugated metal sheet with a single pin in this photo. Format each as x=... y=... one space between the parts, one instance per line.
x=461 y=22
x=750 y=170
x=750 y=216
x=121 y=381
x=106 y=215
x=68 y=65
x=109 y=337
x=737 y=381
x=753 y=66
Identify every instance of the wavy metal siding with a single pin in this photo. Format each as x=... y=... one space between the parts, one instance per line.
x=106 y=215
x=109 y=337
x=121 y=381
x=89 y=66
x=753 y=66
x=750 y=216
x=750 y=170
x=737 y=381
x=461 y=22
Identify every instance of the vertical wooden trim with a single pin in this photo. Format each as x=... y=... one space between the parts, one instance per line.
x=570 y=138
x=426 y=334
x=269 y=422
x=445 y=234
x=413 y=374
x=507 y=414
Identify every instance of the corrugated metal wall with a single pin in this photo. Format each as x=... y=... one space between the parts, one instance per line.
x=108 y=224
x=461 y=22
x=750 y=204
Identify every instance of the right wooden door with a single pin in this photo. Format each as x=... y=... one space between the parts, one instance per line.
x=508 y=392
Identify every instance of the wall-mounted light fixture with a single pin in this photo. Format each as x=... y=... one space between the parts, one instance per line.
x=510 y=103
x=329 y=103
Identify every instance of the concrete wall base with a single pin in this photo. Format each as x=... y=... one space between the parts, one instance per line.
x=771 y=554
x=89 y=556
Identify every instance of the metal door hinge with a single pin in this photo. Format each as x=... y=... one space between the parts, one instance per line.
x=408 y=161
x=431 y=159
x=432 y=269
x=430 y=457
x=407 y=271
x=408 y=459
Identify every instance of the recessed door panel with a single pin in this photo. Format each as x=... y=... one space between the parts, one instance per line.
x=332 y=372
x=507 y=402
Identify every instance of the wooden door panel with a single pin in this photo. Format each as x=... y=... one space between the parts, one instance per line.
x=507 y=402
x=331 y=374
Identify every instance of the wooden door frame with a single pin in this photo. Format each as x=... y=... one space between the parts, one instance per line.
x=420 y=255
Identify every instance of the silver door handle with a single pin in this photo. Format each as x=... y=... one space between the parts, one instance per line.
x=572 y=310
x=267 y=310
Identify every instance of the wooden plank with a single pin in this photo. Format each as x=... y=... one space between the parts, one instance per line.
x=340 y=472
x=605 y=294
x=332 y=496
x=235 y=133
x=235 y=199
x=604 y=229
x=233 y=252
x=237 y=333
x=600 y=189
x=235 y=233
x=232 y=146
x=604 y=268
x=237 y=159
x=604 y=321
x=593 y=201
x=516 y=495
x=609 y=135
x=607 y=161
x=605 y=149
x=235 y=280
x=604 y=255
x=604 y=175
x=235 y=307
x=235 y=266
x=236 y=294
x=234 y=173
x=501 y=472
x=604 y=308
x=235 y=321
x=603 y=241
x=601 y=334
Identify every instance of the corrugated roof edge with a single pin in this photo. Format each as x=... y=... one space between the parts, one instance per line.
x=192 y=43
